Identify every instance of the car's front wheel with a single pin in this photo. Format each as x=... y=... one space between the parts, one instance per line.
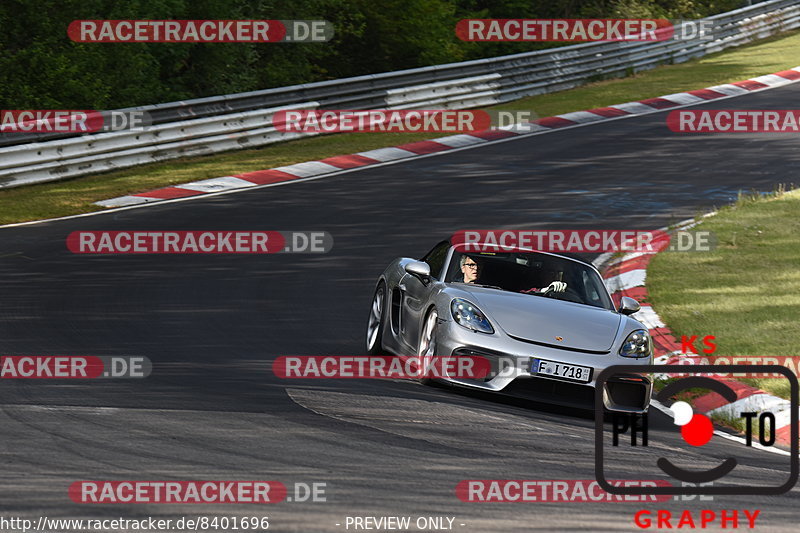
x=427 y=343
x=376 y=321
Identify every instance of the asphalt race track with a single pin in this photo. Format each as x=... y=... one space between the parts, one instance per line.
x=212 y=325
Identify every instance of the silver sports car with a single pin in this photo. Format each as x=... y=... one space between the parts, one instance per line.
x=545 y=322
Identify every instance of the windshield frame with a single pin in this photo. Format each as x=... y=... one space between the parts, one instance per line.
x=454 y=255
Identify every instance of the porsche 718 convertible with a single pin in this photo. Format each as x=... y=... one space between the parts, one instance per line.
x=545 y=322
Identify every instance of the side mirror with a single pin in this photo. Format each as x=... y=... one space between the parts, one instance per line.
x=419 y=269
x=628 y=306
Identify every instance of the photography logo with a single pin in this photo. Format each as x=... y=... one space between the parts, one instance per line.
x=631 y=432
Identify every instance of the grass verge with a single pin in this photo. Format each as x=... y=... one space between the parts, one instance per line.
x=746 y=292
x=77 y=196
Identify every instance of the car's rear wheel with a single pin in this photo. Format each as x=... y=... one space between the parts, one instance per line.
x=376 y=321
x=427 y=343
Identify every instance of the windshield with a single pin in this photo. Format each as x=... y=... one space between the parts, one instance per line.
x=531 y=273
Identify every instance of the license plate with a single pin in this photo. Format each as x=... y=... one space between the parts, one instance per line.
x=541 y=367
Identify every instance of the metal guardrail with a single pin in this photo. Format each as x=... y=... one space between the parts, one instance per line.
x=221 y=123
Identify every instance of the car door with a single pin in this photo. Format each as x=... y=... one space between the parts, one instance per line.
x=417 y=295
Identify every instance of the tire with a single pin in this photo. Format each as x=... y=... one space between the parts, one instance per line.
x=426 y=349
x=376 y=321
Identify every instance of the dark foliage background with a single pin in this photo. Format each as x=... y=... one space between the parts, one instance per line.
x=40 y=68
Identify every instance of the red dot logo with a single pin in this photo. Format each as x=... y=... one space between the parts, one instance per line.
x=696 y=430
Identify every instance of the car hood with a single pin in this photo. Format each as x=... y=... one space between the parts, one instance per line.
x=542 y=319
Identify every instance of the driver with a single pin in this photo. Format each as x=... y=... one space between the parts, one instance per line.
x=470 y=270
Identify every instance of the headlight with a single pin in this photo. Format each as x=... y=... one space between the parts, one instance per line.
x=468 y=315
x=638 y=345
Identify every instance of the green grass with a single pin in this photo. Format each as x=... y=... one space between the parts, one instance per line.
x=746 y=292
x=735 y=423
x=77 y=196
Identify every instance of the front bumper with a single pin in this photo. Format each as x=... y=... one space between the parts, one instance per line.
x=510 y=361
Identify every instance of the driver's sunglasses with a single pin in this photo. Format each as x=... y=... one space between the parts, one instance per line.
x=471 y=265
